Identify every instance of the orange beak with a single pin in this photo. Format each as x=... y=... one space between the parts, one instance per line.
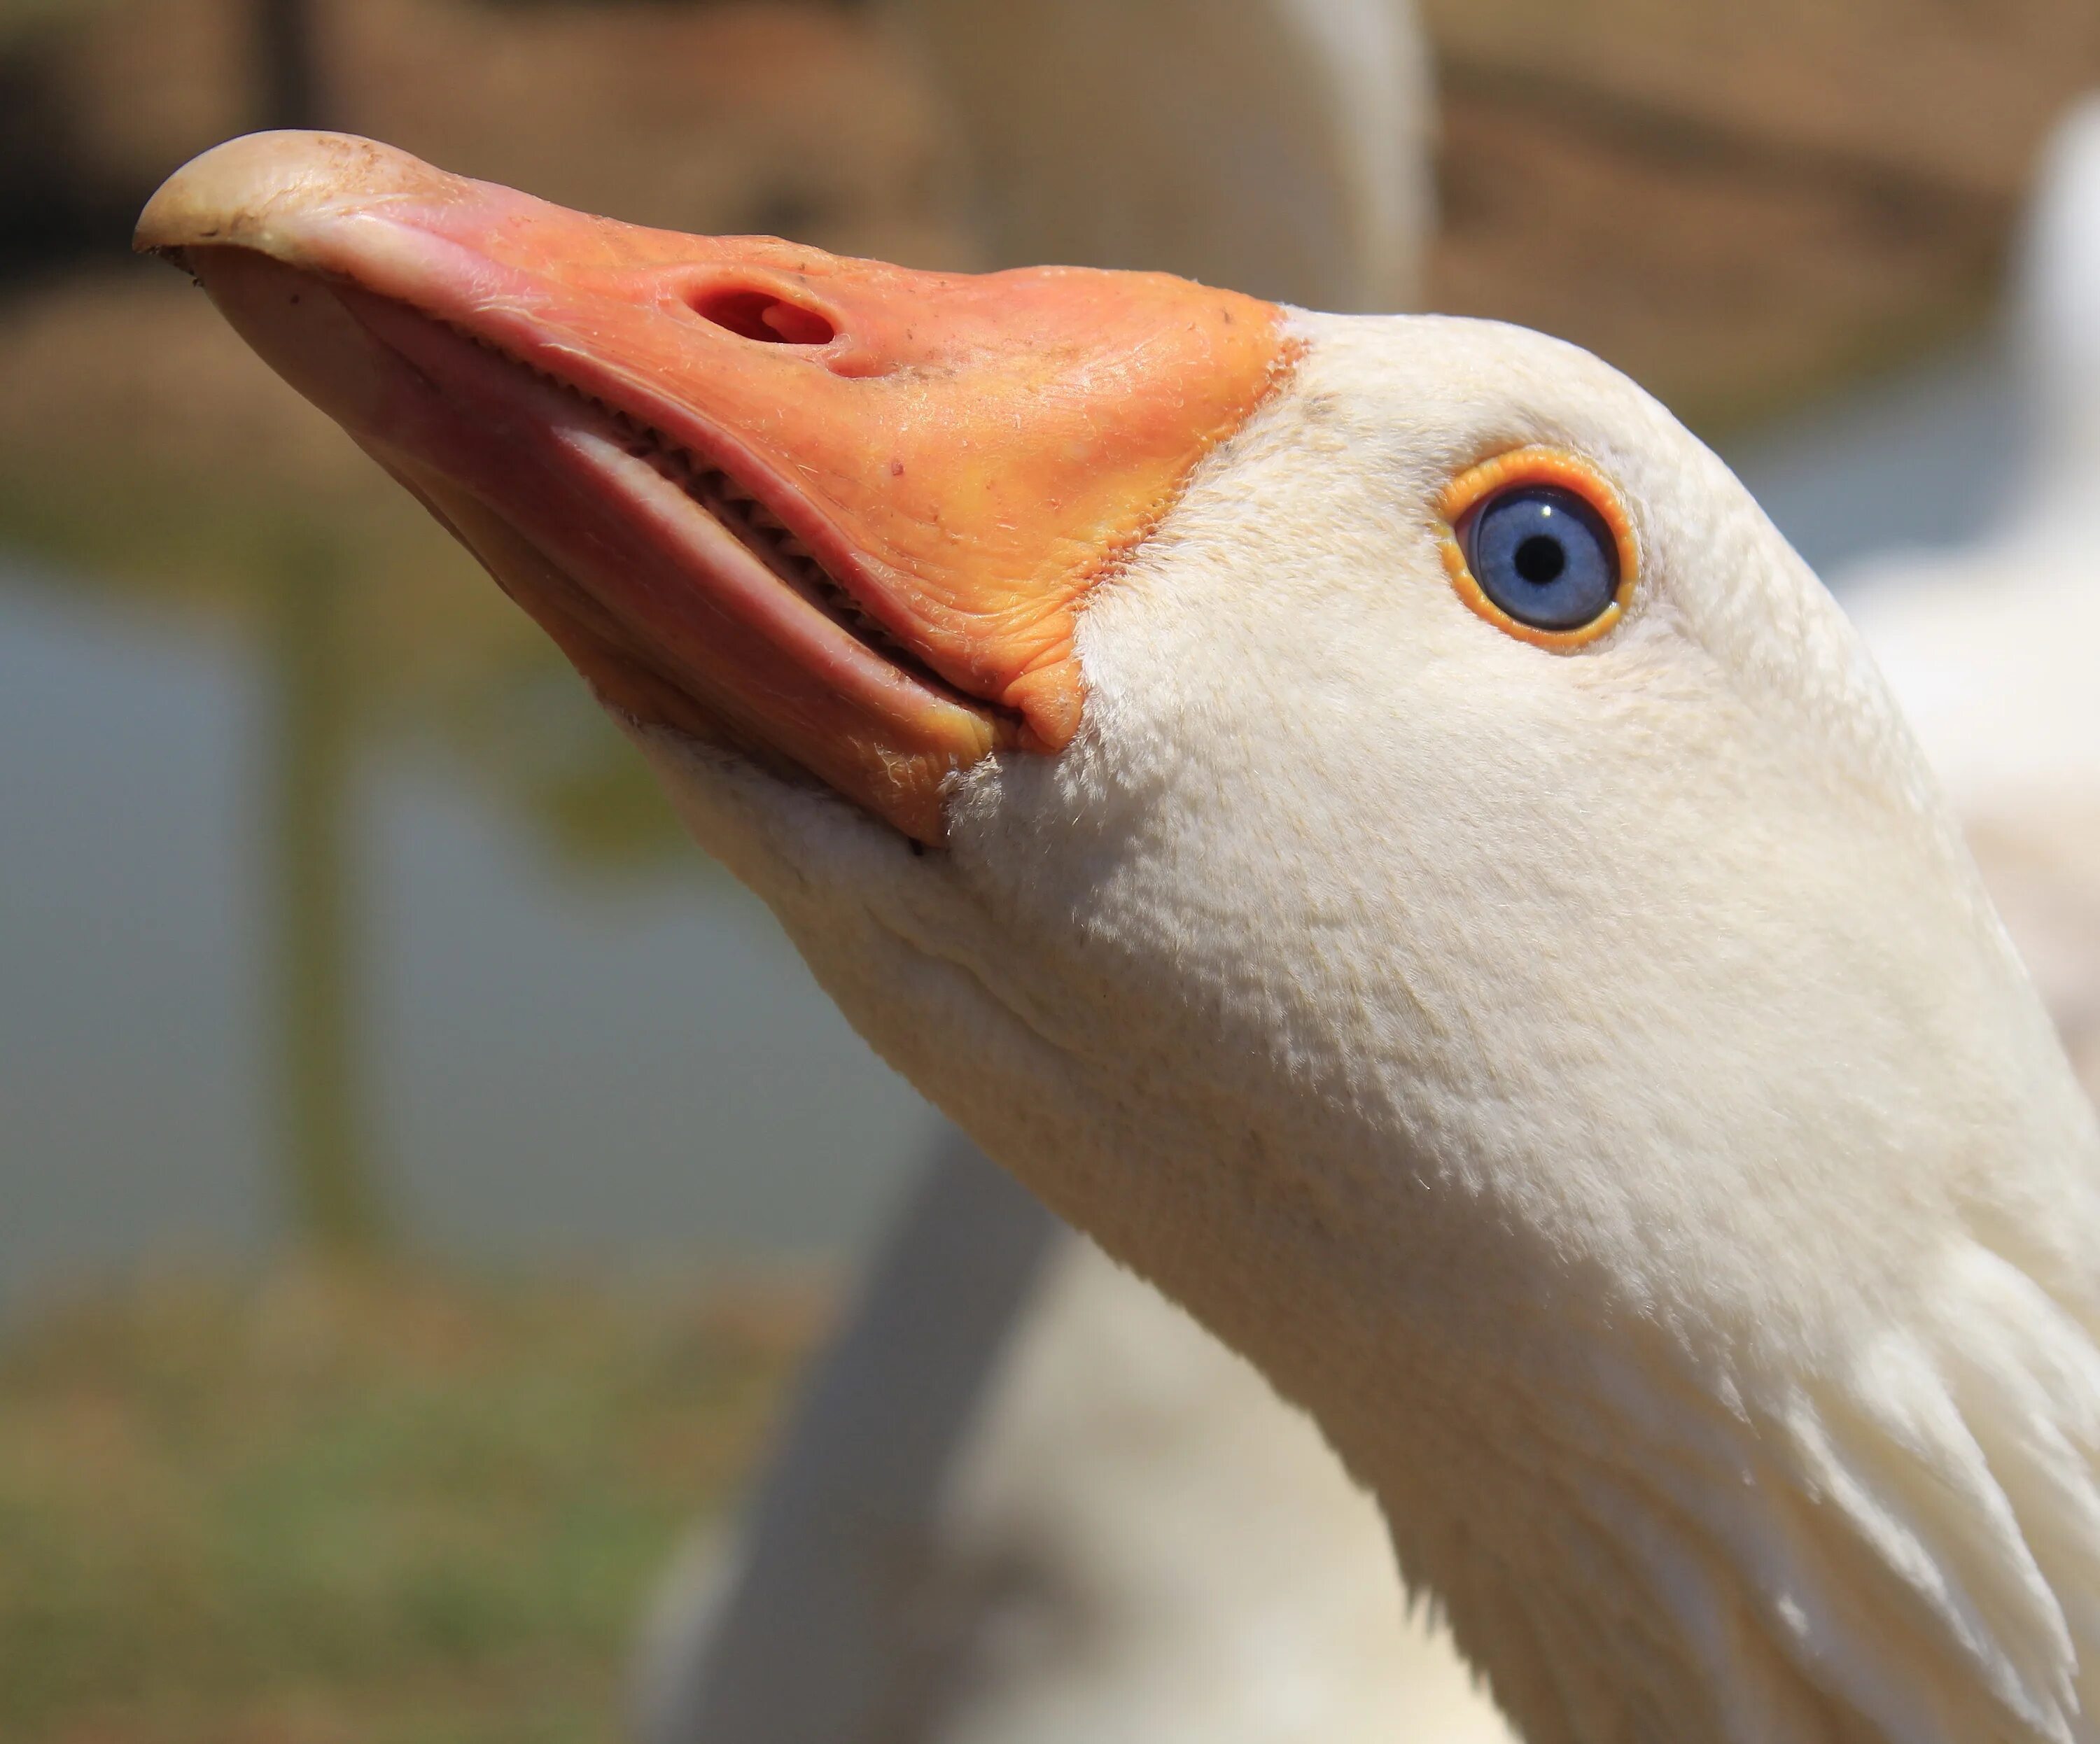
x=839 y=515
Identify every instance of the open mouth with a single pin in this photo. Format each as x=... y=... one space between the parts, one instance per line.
x=743 y=513
x=693 y=592
x=840 y=516
x=632 y=525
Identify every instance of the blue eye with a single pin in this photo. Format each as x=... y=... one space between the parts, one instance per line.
x=1544 y=556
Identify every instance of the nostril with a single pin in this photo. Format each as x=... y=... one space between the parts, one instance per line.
x=761 y=315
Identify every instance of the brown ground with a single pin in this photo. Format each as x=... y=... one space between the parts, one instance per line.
x=1745 y=202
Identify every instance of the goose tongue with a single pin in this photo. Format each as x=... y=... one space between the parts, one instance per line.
x=838 y=514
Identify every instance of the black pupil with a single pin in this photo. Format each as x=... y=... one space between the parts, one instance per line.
x=1543 y=555
x=1540 y=560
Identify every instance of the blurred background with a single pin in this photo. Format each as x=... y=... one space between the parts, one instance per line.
x=421 y=1174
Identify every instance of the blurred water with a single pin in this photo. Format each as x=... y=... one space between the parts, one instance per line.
x=130 y=1105
x=635 y=1068
x=641 y=1069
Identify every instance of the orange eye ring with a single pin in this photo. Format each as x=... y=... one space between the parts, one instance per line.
x=1537 y=466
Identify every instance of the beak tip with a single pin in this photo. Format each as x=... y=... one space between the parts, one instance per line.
x=228 y=195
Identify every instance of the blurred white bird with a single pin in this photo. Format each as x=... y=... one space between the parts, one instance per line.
x=1278 y=147
x=1991 y=649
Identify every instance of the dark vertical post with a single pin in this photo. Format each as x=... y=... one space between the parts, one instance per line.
x=335 y=1198
x=289 y=72
x=336 y=1204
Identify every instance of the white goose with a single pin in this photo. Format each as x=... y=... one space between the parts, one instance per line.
x=1365 y=816
x=1989 y=649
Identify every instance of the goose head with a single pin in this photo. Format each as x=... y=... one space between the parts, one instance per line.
x=1366 y=816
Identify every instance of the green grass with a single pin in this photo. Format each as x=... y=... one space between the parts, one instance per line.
x=398 y=1511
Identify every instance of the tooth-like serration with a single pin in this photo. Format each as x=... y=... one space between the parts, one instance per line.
x=753 y=522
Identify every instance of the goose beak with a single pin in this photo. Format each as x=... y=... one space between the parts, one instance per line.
x=837 y=516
